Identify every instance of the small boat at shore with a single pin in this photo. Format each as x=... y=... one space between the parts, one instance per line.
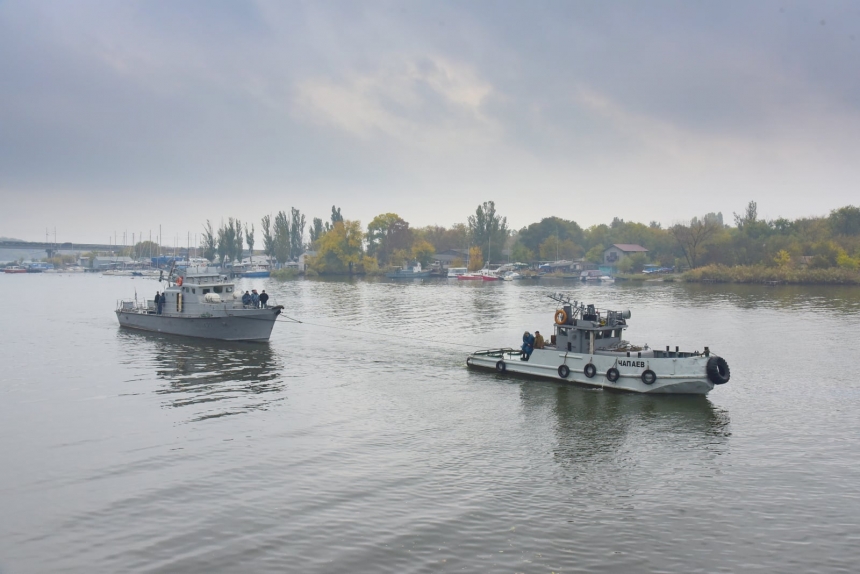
x=203 y=305
x=15 y=269
x=409 y=271
x=587 y=348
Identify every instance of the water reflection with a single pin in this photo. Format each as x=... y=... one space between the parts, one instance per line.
x=595 y=428
x=216 y=378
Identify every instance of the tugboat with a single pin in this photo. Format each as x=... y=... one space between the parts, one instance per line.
x=587 y=348
x=203 y=305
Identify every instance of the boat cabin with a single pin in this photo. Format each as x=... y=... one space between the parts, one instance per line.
x=199 y=292
x=586 y=330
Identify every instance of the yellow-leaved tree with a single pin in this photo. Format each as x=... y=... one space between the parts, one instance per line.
x=476 y=258
x=423 y=252
x=339 y=249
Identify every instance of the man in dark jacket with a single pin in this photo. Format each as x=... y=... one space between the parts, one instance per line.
x=159 y=302
x=264 y=299
x=255 y=298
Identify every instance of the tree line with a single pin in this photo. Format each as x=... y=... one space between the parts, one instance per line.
x=343 y=246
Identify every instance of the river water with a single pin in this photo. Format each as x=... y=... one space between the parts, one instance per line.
x=359 y=442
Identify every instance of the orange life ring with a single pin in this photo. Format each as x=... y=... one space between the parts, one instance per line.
x=560 y=317
x=179 y=282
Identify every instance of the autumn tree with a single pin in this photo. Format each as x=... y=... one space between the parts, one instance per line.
x=339 y=249
x=423 y=252
x=476 y=258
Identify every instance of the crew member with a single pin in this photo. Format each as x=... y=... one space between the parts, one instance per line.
x=246 y=299
x=255 y=298
x=528 y=345
x=539 y=342
x=158 y=302
x=264 y=299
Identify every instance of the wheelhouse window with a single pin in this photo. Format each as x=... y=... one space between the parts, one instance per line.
x=205 y=291
x=228 y=289
x=217 y=289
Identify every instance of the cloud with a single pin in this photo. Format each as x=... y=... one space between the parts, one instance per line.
x=426 y=102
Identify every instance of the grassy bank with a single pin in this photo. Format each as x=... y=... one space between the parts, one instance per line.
x=762 y=274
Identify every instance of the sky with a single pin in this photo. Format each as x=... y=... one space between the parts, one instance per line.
x=120 y=117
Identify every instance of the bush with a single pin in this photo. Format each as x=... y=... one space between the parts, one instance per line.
x=760 y=274
x=285 y=273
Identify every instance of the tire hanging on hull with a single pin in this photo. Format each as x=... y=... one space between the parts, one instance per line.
x=718 y=371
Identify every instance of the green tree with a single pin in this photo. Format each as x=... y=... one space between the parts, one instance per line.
x=297 y=232
x=632 y=263
x=282 y=237
x=552 y=248
x=845 y=220
x=268 y=237
x=210 y=243
x=522 y=254
x=145 y=249
x=386 y=234
x=240 y=239
x=488 y=229
x=595 y=254
x=316 y=231
x=249 y=238
x=335 y=217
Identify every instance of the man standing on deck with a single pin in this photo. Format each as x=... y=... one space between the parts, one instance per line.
x=158 y=302
x=246 y=299
x=264 y=299
x=255 y=298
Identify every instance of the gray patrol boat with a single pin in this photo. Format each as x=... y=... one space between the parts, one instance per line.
x=588 y=348
x=203 y=304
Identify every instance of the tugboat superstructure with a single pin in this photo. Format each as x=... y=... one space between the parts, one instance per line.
x=588 y=348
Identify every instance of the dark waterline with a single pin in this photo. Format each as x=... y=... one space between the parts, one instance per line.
x=329 y=450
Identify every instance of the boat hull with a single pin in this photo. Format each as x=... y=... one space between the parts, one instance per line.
x=418 y=275
x=241 y=325
x=686 y=376
x=256 y=274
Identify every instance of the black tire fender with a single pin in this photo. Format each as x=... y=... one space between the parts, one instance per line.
x=718 y=371
x=501 y=366
x=563 y=371
x=612 y=374
x=590 y=370
x=649 y=377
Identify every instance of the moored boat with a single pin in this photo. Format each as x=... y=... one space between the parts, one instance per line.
x=587 y=348
x=408 y=271
x=15 y=269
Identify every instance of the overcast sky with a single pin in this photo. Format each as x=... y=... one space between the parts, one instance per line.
x=120 y=116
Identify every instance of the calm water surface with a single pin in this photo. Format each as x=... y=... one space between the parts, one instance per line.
x=348 y=445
